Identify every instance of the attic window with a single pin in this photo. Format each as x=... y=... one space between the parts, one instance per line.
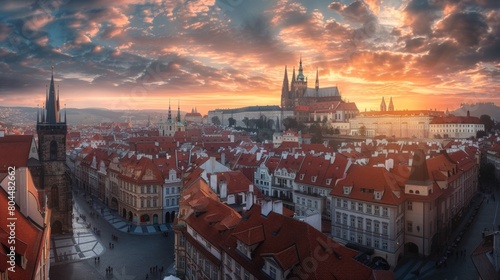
x=302 y=176
x=313 y=178
x=347 y=190
x=328 y=181
x=378 y=195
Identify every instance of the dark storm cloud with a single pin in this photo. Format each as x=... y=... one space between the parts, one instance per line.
x=415 y=45
x=468 y=29
x=421 y=14
x=356 y=12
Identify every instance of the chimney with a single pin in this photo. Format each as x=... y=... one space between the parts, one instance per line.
x=223 y=158
x=223 y=189
x=278 y=207
x=389 y=164
x=266 y=207
x=249 y=202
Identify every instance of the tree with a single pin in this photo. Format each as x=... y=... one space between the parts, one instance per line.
x=487 y=121
x=270 y=123
x=246 y=121
x=481 y=134
x=216 y=120
x=289 y=123
x=232 y=122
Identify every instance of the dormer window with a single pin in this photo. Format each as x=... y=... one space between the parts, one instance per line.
x=328 y=181
x=302 y=176
x=347 y=190
x=378 y=195
x=313 y=178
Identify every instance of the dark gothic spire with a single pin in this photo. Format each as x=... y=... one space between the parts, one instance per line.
x=285 y=89
x=178 y=111
x=52 y=103
x=383 y=107
x=169 y=112
x=391 y=105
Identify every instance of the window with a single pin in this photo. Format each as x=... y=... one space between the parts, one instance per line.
x=410 y=206
x=368 y=209
x=360 y=207
x=409 y=227
x=377 y=210
x=360 y=222
x=384 y=245
x=338 y=202
x=337 y=217
x=376 y=226
x=344 y=234
x=376 y=243
x=344 y=202
x=237 y=270
x=360 y=239
x=53 y=150
x=385 y=228
x=344 y=219
x=353 y=219
x=368 y=241
x=368 y=225
x=385 y=212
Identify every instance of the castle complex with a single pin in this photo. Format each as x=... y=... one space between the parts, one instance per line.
x=297 y=93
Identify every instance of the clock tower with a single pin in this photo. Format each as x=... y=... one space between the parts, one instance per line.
x=55 y=180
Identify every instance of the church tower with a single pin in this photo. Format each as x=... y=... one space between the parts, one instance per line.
x=285 y=91
x=391 y=105
x=55 y=181
x=383 y=107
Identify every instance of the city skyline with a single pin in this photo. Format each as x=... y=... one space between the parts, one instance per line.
x=225 y=54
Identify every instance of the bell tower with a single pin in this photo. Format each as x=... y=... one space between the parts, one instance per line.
x=55 y=181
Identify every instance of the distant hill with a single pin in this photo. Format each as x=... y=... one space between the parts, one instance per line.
x=27 y=115
x=479 y=109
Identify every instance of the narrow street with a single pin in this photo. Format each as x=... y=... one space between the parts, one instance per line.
x=458 y=266
x=131 y=256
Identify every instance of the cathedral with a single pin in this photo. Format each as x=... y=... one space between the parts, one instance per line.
x=297 y=93
x=169 y=127
x=54 y=179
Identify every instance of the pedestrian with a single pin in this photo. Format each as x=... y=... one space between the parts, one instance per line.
x=98 y=259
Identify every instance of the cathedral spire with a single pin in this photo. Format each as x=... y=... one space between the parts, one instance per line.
x=52 y=104
x=178 y=111
x=383 y=107
x=391 y=105
x=285 y=89
x=169 y=112
x=300 y=76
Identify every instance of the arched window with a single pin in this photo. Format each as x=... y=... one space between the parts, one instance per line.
x=54 y=197
x=53 y=150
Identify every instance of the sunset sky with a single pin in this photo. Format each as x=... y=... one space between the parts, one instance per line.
x=136 y=54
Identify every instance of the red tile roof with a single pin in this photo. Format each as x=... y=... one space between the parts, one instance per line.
x=28 y=241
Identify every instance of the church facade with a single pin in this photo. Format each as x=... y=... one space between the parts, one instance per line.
x=54 y=178
x=170 y=126
x=296 y=93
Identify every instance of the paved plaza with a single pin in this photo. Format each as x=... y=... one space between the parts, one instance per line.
x=134 y=251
